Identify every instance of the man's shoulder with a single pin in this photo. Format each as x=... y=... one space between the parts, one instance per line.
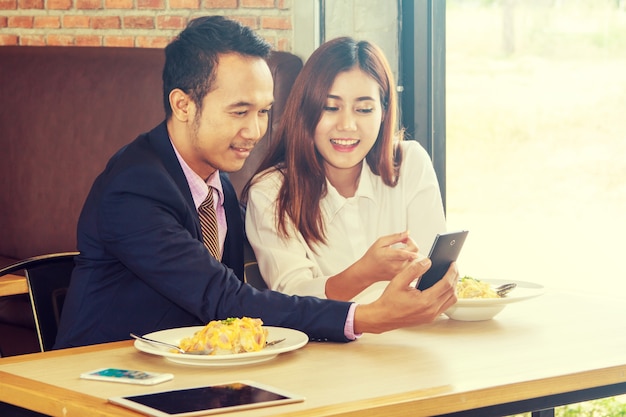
x=145 y=160
x=145 y=147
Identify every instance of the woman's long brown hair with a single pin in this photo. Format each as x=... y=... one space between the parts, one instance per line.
x=293 y=152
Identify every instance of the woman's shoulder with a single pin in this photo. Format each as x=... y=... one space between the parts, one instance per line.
x=414 y=157
x=272 y=174
x=413 y=149
x=269 y=180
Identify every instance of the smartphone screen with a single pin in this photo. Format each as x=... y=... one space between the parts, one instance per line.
x=445 y=250
x=128 y=376
x=207 y=399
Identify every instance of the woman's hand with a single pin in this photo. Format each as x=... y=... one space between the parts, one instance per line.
x=387 y=257
x=383 y=260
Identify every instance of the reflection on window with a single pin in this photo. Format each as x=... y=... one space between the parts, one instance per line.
x=536 y=139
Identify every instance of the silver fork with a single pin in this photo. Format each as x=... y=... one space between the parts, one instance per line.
x=504 y=289
x=273 y=342
x=171 y=346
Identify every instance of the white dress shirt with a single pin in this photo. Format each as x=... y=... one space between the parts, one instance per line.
x=352 y=225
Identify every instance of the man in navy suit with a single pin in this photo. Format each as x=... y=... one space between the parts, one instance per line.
x=143 y=266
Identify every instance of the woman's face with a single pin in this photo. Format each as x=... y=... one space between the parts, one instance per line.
x=350 y=121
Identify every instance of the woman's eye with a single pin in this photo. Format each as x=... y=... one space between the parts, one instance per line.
x=368 y=110
x=330 y=108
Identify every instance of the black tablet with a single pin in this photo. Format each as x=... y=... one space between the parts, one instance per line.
x=213 y=399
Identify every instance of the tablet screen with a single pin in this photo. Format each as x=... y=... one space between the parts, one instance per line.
x=207 y=400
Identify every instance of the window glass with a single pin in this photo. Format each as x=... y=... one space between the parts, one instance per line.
x=536 y=140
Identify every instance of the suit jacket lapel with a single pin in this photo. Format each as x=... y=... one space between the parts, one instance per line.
x=160 y=140
x=233 y=245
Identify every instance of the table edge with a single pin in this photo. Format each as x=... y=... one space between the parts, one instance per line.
x=426 y=402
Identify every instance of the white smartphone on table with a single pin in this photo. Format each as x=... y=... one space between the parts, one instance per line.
x=211 y=399
x=127 y=376
x=445 y=250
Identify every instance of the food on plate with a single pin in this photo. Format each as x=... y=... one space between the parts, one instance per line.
x=469 y=287
x=233 y=335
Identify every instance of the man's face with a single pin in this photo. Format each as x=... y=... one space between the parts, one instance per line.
x=234 y=115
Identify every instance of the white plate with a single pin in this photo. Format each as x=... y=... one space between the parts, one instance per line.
x=294 y=339
x=477 y=309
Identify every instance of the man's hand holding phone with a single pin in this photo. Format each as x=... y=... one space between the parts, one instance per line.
x=402 y=305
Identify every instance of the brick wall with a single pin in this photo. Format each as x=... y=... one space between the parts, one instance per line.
x=133 y=23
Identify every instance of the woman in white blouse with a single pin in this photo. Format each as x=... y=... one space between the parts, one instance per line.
x=342 y=202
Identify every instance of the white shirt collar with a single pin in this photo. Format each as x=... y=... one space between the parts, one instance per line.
x=332 y=202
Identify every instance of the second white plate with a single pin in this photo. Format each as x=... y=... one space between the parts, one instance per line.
x=524 y=290
x=479 y=309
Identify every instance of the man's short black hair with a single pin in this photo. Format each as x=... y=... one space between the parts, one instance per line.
x=191 y=58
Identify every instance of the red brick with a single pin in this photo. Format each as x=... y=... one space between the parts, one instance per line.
x=185 y=4
x=251 y=22
x=105 y=22
x=60 y=40
x=282 y=4
x=76 y=21
x=118 y=4
x=219 y=4
x=138 y=22
x=152 y=41
x=4 y=21
x=257 y=4
x=88 y=4
x=283 y=23
x=284 y=44
x=32 y=40
x=271 y=40
x=88 y=40
x=8 y=39
x=151 y=4
x=170 y=22
x=47 y=22
x=59 y=4
x=124 y=41
x=30 y=4
x=20 y=22
x=8 y=4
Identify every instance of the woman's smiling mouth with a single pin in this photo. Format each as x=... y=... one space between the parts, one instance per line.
x=344 y=144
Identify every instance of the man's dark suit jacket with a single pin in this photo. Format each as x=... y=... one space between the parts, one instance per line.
x=143 y=267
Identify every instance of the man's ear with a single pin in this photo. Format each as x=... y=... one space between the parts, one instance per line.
x=182 y=106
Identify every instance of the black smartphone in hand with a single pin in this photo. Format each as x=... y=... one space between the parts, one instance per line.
x=445 y=250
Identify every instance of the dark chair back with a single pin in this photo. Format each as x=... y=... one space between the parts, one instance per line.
x=48 y=278
x=251 y=273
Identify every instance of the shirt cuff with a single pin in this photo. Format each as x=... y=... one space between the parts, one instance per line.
x=348 y=330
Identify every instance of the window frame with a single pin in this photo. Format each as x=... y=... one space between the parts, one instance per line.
x=422 y=33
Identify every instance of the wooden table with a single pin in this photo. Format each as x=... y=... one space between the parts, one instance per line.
x=13 y=284
x=560 y=347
